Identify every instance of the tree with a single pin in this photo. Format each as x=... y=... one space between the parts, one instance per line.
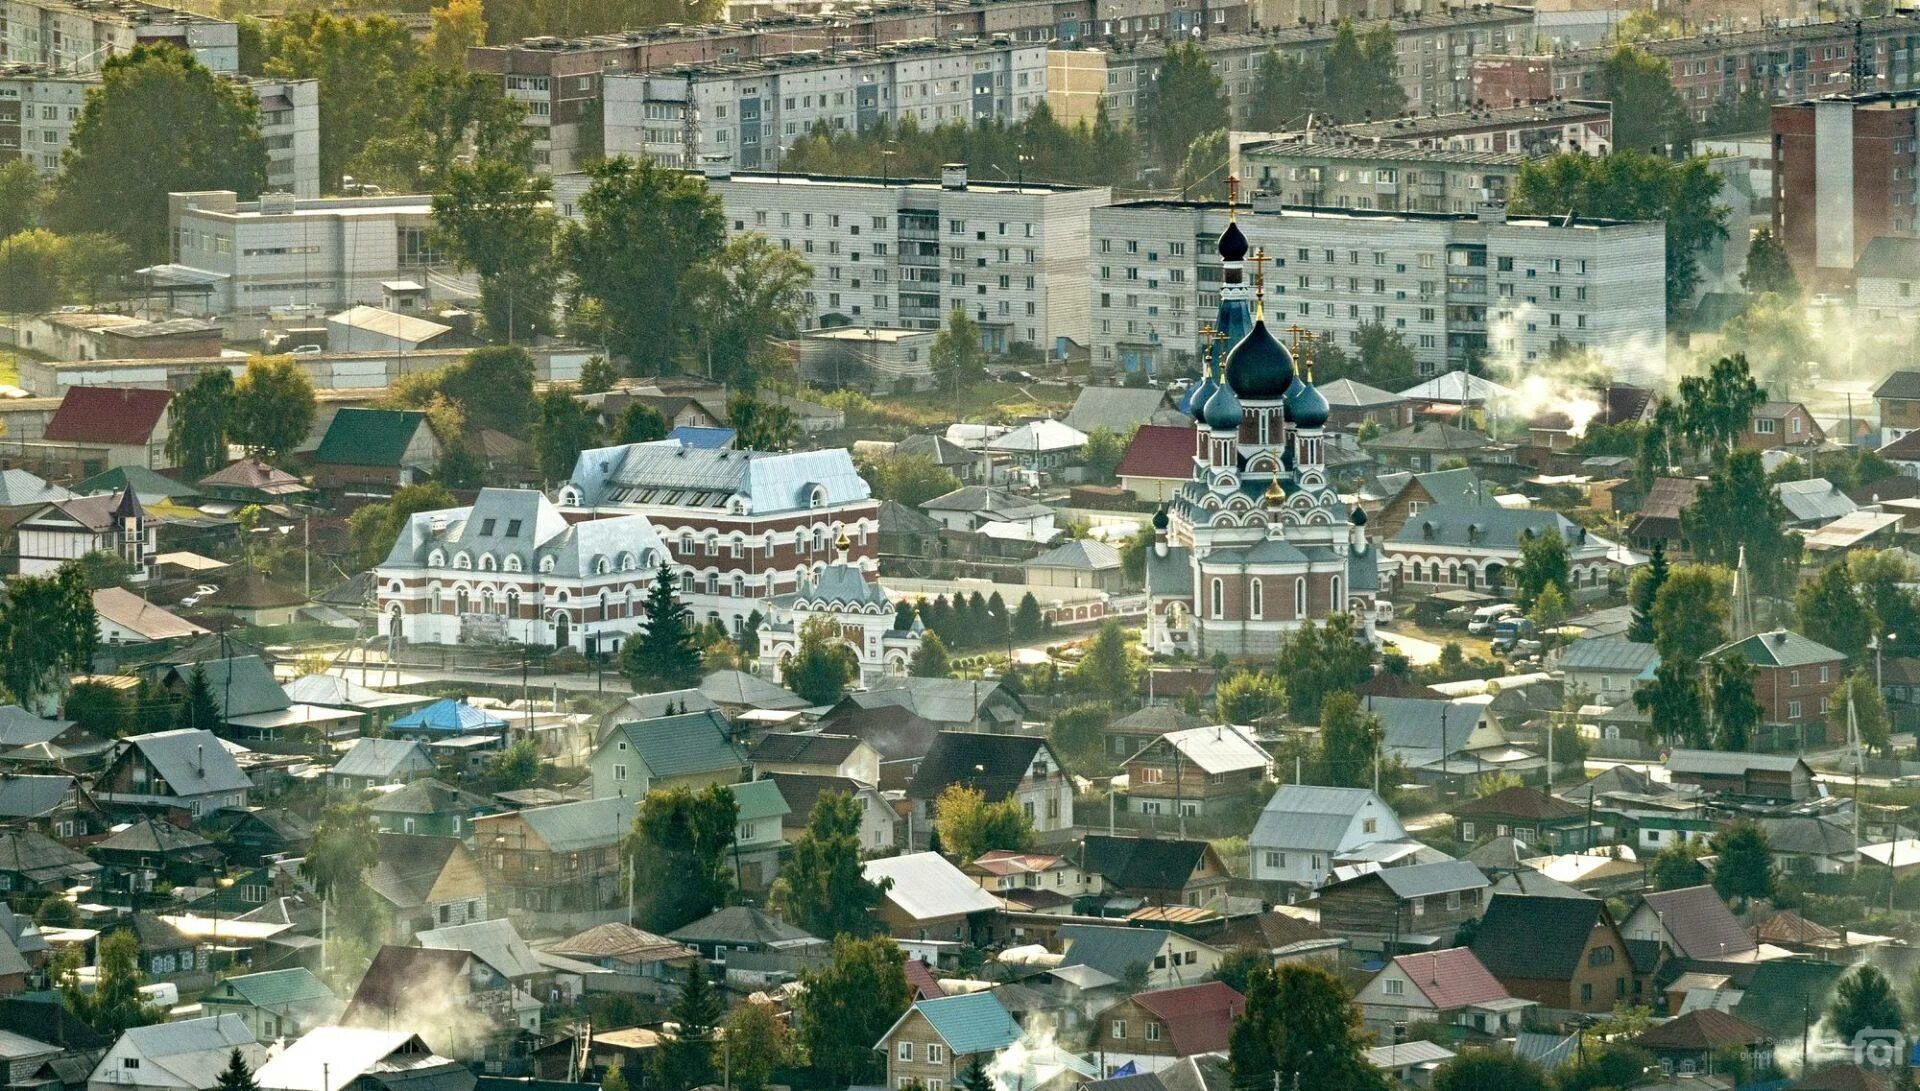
x=822 y=666
x=957 y=356
x=911 y=480
x=1549 y=613
x=1690 y=612
x=516 y=767
x=1317 y=660
x=664 y=655
x=345 y=846
x=1674 y=705
x=641 y=229
x=1111 y=667
x=847 y=1005
x=562 y=427
x=759 y=1042
x=1608 y=1068
x=30 y=271
x=374 y=528
x=684 y=1058
x=1027 y=620
x=930 y=659
x=1641 y=87
x=762 y=425
x=1869 y=710
x=1350 y=740
x=1299 y=1026
x=495 y=217
x=1489 y=1070
x=273 y=406
x=1768 y=269
x=158 y=122
x=363 y=65
x=492 y=386
x=22 y=192
x=1744 y=870
x=597 y=376
x=47 y=633
x=202 y=415
x=1248 y=696
x=1543 y=564
x=114 y=1005
x=92 y=266
x=1361 y=74
x=1677 y=866
x=639 y=423
x=1716 y=408
x=1381 y=357
x=970 y=826
x=1643 y=591
x=1237 y=967
x=1772 y=336
x=1284 y=92
x=1833 y=612
x=1186 y=101
x=198 y=710
x=821 y=887
x=1103 y=452
x=688 y=835
x=1864 y=1002
x=1202 y=175
x=99 y=710
x=974 y=1077
x=746 y=297
x=237 y=1076
x=1736 y=711
x=1737 y=508
x=1633 y=185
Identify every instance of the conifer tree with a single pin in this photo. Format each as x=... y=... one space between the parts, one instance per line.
x=666 y=656
x=237 y=1076
x=199 y=711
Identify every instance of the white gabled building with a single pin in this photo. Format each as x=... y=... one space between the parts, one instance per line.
x=183 y=1056
x=1304 y=830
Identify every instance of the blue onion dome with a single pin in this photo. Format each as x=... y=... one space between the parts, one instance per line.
x=1196 y=400
x=1259 y=368
x=1306 y=406
x=1233 y=244
x=1358 y=518
x=1222 y=411
x=1160 y=519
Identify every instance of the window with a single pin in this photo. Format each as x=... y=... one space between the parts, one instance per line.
x=936 y=1053
x=1600 y=956
x=619 y=772
x=1395 y=987
x=1276 y=859
x=1119 y=1028
x=1466 y=831
x=1217 y=593
x=1794 y=709
x=905 y=1051
x=1765 y=426
x=1256 y=600
x=1153 y=1032
x=1370 y=825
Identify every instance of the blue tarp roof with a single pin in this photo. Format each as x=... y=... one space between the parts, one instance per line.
x=449 y=715
x=692 y=435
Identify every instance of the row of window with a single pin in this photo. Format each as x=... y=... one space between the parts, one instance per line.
x=1257 y=599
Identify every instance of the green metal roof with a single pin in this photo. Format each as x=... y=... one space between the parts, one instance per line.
x=973 y=1023
x=759 y=799
x=142 y=481
x=274 y=988
x=686 y=744
x=1779 y=648
x=369 y=437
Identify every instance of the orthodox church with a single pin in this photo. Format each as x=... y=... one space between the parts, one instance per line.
x=1257 y=541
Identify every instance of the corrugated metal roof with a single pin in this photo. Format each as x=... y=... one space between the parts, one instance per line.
x=683 y=744
x=1609 y=653
x=590 y=823
x=927 y=887
x=1306 y=816
x=971 y=1022
x=494 y=942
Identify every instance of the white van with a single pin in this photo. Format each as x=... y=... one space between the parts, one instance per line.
x=1486 y=617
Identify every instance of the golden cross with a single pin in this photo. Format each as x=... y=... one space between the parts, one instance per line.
x=1296 y=330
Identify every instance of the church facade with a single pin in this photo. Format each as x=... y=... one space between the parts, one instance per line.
x=1256 y=542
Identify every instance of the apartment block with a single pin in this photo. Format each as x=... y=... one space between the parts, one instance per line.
x=79 y=35
x=1387 y=177
x=1453 y=286
x=38 y=109
x=751 y=111
x=315 y=256
x=1844 y=175
x=904 y=253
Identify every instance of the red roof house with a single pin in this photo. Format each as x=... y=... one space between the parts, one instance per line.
x=1158 y=459
x=112 y=427
x=1179 y=1022
x=1450 y=986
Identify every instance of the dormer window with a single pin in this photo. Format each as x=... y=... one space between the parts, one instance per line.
x=486 y=527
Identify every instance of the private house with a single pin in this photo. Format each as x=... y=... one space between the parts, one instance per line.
x=253 y=707
x=183 y=1056
x=1154 y=871
x=1898 y=398
x=1448 y=743
x=933 y=1044
x=1780 y=424
x=1808 y=845
x=740 y=929
x=971 y=467
x=66 y=530
x=819 y=755
x=880 y=826
x=427 y=882
x=692 y=750
x=1036 y=882
x=1118 y=408
x=757 y=838
x=1150 y=1031
x=1305 y=830
x=359 y=1059
x=1699 y=1042
x=1657 y=523
x=930 y=899
x=401 y=982
x=1079 y=564
x=1160 y=958
x=1813 y=503
x=1526 y=814
x=639 y=961
x=251 y=481
x=1693 y=923
x=993 y=512
x=1351 y=403
x=429 y=808
x=1449 y=987
x=100 y=428
x=1610 y=669
x=1773 y=778
x=376 y=709
x=1126 y=736
x=1197 y=771
x=1023 y=768
x=1158 y=460
x=274 y=1003
x=122 y=617
x=1419 y=906
x=1423 y=446
x=379 y=448
x=951 y=704
x=167 y=953
x=150 y=851
x=1409 y=494
x=185 y=768
x=252 y=835
x=1565 y=954
x=1794 y=680
x=33 y=863
x=372 y=762
x=556 y=867
x=1039 y=446
x=52 y=804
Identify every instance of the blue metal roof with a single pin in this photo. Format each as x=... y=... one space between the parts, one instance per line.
x=709 y=439
x=448 y=715
x=973 y=1023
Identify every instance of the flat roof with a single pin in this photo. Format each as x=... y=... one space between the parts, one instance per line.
x=1321 y=212
x=974 y=185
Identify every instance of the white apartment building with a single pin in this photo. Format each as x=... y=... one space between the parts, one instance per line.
x=752 y=111
x=323 y=255
x=1450 y=284
x=79 y=35
x=903 y=253
x=39 y=108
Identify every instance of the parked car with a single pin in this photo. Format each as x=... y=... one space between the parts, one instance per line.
x=1485 y=619
x=1510 y=632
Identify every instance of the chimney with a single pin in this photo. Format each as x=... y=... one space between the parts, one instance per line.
x=1493 y=211
x=716 y=168
x=953 y=176
x=200 y=760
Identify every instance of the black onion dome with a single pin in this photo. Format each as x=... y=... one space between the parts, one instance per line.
x=1222 y=411
x=1358 y=518
x=1307 y=406
x=1160 y=519
x=1233 y=244
x=1259 y=368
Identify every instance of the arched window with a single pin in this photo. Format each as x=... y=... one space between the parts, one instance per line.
x=513 y=563
x=436 y=558
x=513 y=602
x=1256 y=598
x=462 y=602
x=486 y=600
x=462 y=561
x=739 y=586
x=1339 y=600
x=561 y=596
x=734 y=546
x=487 y=563
x=433 y=600
x=713 y=583
x=394 y=587
x=686 y=544
x=1217 y=593
x=546 y=564
x=603 y=606
x=601 y=566
x=1300 y=597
